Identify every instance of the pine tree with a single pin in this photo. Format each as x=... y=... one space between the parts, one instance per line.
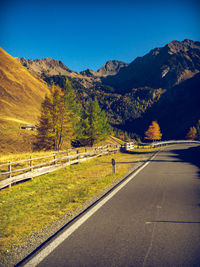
x=44 y=139
x=93 y=125
x=82 y=132
x=153 y=132
x=52 y=121
x=98 y=125
x=57 y=114
x=71 y=99
x=74 y=109
x=192 y=134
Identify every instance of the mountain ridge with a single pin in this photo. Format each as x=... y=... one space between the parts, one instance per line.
x=131 y=93
x=50 y=67
x=135 y=94
x=161 y=67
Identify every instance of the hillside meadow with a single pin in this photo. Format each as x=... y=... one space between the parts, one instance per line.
x=21 y=94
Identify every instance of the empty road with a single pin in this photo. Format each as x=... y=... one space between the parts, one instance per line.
x=154 y=220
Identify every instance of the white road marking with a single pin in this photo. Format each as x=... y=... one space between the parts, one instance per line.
x=47 y=250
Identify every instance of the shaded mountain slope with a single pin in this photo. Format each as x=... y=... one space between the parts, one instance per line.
x=177 y=110
x=161 y=67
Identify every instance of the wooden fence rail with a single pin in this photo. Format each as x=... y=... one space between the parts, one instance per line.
x=62 y=159
x=58 y=160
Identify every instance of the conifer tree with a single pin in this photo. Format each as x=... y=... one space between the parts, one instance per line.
x=58 y=116
x=44 y=139
x=153 y=132
x=74 y=109
x=82 y=132
x=52 y=121
x=192 y=134
x=93 y=125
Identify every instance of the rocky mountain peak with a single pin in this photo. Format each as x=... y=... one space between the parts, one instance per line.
x=162 y=67
x=88 y=73
x=111 y=67
x=46 y=66
x=182 y=47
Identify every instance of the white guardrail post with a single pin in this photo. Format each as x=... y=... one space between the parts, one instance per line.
x=173 y=142
x=130 y=145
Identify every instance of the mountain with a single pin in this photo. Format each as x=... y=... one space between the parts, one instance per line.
x=176 y=111
x=88 y=73
x=50 y=67
x=161 y=68
x=46 y=67
x=21 y=94
x=149 y=88
x=112 y=67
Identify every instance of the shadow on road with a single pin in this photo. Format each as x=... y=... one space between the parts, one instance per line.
x=136 y=152
x=190 y=155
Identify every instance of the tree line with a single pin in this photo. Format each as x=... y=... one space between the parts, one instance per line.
x=64 y=119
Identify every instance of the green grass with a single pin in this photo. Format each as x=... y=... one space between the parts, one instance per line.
x=116 y=140
x=35 y=155
x=31 y=206
x=13 y=157
x=140 y=149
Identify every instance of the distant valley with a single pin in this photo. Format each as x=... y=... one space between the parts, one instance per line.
x=163 y=85
x=164 y=81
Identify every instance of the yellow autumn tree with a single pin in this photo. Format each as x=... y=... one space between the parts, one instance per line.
x=153 y=132
x=54 y=121
x=192 y=134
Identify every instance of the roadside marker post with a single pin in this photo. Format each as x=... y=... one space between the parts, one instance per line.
x=113 y=166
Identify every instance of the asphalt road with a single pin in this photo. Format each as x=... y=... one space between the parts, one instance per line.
x=153 y=221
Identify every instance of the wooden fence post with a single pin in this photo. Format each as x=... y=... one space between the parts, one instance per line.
x=31 y=164
x=68 y=155
x=54 y=157
x=77 y=154
x=10 y=169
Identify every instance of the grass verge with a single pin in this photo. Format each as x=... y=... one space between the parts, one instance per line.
x=29 y=207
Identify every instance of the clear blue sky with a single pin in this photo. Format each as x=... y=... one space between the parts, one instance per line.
x=86 y=34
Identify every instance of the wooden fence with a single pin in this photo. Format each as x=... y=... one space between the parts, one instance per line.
x=32 y=167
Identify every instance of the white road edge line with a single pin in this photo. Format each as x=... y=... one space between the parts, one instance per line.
x=47 y=250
